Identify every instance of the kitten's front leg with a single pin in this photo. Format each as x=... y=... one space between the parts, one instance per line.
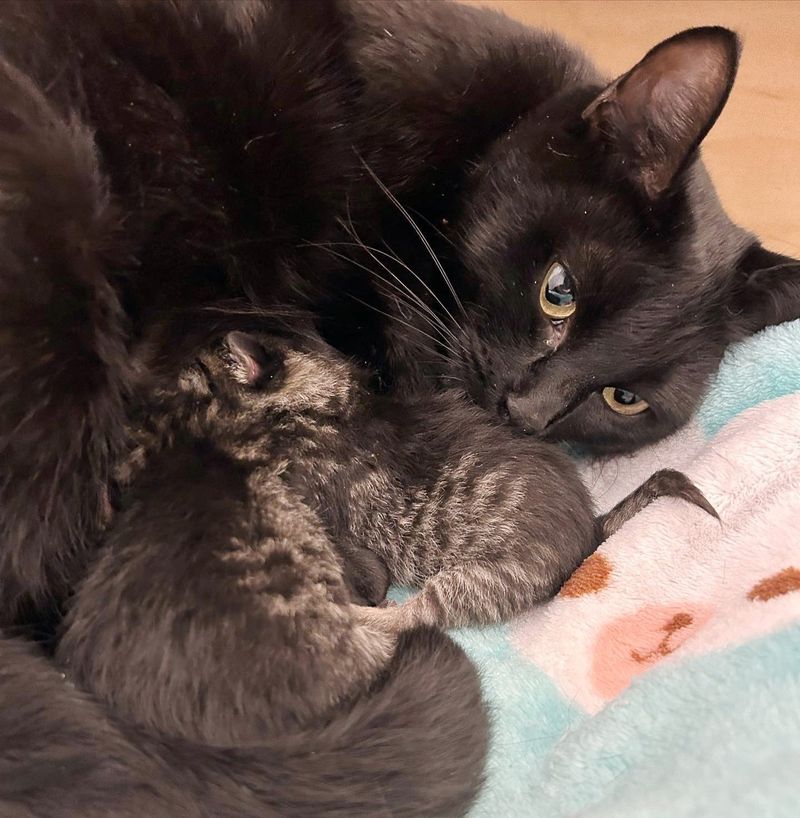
x=365 y=574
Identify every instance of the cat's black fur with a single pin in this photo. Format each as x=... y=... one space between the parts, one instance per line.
x=157 y=155
x=412 y=745
x=515 y=148
x=152 y=156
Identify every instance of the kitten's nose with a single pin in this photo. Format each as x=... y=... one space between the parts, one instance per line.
x=532 y=413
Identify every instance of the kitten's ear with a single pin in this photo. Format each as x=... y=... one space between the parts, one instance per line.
x=766 y=292
x=658 y=113
x=251 y=360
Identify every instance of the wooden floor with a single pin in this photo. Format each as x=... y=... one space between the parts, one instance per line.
x=753 y=152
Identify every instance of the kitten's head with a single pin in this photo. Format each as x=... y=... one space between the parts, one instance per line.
x=248 y=375
x=606 y=279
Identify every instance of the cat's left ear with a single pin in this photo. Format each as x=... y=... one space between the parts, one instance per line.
x=766 y=291
x=656 y=114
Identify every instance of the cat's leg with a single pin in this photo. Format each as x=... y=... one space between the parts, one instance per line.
x=470 y=594
x=62 y=344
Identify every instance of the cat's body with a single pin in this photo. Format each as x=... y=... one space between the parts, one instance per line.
x=413 y=743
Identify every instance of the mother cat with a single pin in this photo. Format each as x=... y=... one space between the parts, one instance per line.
x=158 y=155
x=154 y=156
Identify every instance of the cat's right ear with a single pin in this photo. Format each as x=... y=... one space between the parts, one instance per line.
x=654 y=116
x=766 y=291
x=251 y=361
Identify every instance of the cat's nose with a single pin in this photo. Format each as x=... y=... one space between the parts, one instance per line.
x=530 y=412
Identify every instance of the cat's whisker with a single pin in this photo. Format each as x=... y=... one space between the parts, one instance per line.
x=371 y=252
x=416 y=298
x=411 y=306
x=393 y=318
x=415 y=227
x=428 y=316
x=434 y=228
x=400 y=304
x=351 y=230
x=393 y=255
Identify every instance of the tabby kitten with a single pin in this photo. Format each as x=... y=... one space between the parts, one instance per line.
x=218 y=611
x=486 y=522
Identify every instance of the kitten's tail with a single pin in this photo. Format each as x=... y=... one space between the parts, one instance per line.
x=413 y=746
x=663 y=483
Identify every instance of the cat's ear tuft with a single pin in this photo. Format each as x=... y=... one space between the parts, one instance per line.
x=657 y=113
x=766 y=291
x=249 y=358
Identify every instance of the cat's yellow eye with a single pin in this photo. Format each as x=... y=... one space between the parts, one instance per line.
x=623 y=401
x=557 y=295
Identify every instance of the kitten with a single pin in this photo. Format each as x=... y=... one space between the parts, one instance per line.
x=590 y=278
x=217 y=612
x=488 y=523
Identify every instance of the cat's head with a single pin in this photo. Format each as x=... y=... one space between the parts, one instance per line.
x=603 y=278
x=238 y=380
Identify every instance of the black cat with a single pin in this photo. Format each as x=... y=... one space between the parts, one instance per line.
x=158 y=155
x=590 y=280
x=411 y=745
x=153 y=156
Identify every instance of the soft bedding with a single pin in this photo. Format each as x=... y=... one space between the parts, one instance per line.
x=664 y=680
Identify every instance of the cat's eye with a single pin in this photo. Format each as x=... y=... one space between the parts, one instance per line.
x=623 y=401
x=557 y=294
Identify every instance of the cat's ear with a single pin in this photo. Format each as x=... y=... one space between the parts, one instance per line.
x=766 y=291
x=249 y=358
x=656 y=114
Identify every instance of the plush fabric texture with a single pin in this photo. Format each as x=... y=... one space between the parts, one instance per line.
x=665 y=677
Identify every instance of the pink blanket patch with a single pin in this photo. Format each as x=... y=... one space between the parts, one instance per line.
x=631 y=644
